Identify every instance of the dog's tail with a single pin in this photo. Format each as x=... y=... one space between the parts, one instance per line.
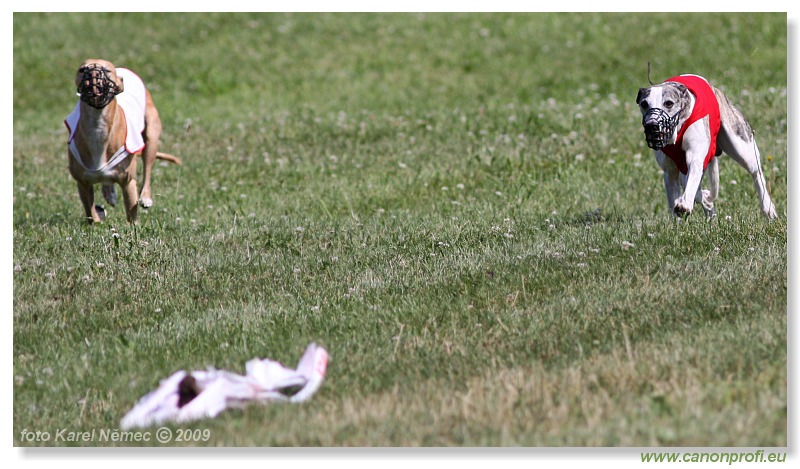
x=167 y=157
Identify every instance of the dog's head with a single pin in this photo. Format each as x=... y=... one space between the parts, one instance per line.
x=662 y=108
x=97 y=83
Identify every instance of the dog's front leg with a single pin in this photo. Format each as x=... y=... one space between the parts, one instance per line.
x=86 y=193
x=696 y=141
x=130 y=199
x=705 y=197
x=685 y=203
x=672 y=183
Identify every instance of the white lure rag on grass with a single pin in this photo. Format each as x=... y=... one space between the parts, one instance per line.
x=195 y=395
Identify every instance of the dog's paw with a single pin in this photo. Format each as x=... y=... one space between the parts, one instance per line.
x=146 y=202
x=110 y=194
x=771 y=213
x=682 y=209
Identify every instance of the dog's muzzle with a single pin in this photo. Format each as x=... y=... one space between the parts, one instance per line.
x=96 y=88
x=659 y=127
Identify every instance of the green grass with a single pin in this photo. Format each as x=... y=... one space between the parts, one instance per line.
x=446 y=202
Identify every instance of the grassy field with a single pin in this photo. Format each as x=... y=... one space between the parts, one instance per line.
x=460 y=207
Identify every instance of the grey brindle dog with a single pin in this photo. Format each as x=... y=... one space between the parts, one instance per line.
x=666 y=108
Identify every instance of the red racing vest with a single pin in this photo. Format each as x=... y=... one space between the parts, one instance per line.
x=705 y=105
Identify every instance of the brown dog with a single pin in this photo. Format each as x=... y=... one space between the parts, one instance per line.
x=114 y=121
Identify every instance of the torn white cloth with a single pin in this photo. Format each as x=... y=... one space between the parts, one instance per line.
x=195 y=395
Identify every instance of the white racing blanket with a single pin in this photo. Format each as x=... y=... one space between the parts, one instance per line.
x=132 y=101
x=195 y=395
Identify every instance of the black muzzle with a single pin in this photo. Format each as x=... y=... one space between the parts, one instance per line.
x=659 y=127
x=96 y=88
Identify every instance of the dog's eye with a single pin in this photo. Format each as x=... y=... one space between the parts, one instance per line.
x=644 y=105
x=668 y=104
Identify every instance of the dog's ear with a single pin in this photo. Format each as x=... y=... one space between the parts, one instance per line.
x=79 y=76
x=643 y=93
x=684 y=91
x=120 y=84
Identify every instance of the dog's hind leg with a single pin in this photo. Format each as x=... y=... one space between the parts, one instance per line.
x=110 y=194
x=151 y=133
x=746 y=154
